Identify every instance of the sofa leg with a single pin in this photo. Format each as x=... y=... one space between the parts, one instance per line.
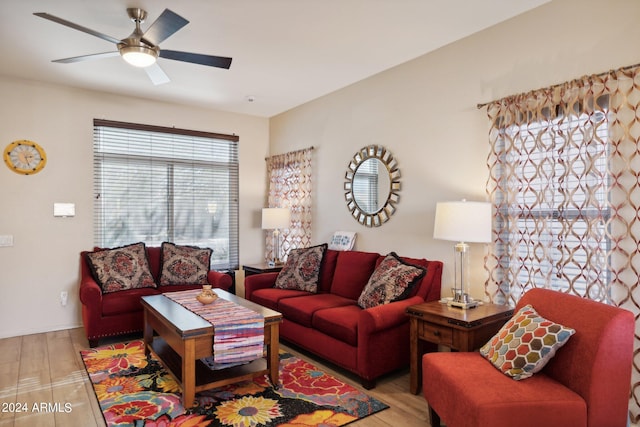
x=367 y=384
x=434 y=418
x=93 y=342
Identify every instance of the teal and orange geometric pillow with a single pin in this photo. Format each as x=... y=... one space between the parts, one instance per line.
x=525 y=344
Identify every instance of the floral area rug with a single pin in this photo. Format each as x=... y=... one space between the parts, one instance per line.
x=134 y=390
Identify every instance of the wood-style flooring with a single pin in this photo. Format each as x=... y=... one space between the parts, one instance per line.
x=43 y=383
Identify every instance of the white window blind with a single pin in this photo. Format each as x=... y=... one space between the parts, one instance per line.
x=555 y=222
x=155 y=184
x=365 y=186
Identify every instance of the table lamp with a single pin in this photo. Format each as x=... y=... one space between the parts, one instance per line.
x=275 y=219
x=463 y=222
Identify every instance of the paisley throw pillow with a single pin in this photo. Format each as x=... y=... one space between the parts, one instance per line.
x=119 y=269
x=184 y=265
x=302 y=269
x=392 y=280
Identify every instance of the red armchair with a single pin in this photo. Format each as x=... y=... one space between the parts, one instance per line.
x=586 y=383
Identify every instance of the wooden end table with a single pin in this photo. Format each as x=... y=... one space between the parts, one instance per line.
x=184 y=338
x=458 y=329
x=261 y=268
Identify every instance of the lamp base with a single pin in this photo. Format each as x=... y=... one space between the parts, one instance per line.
x=462 y=304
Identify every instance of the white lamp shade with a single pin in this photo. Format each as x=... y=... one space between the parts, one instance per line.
x=275 y=218
x=463 y=221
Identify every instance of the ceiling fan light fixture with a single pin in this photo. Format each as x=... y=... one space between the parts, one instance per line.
x=142 y=49
x=139 y=56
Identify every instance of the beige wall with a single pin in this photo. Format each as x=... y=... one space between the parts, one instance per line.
x=45 y=257
x=425 y=112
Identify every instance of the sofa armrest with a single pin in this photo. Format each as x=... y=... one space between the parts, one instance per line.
x=90 y=292
x=385 y=316
x=220 y=280
x=258 y=281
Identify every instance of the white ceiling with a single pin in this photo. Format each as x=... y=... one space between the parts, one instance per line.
x=285 y=52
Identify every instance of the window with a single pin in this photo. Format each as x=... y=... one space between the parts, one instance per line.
x=608 y=106
x=155 y=184
x=552 y=203
x=290 y=186
x=365 y=186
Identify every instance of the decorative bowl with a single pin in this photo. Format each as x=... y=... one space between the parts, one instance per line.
x=206 y=299
x=207 y=296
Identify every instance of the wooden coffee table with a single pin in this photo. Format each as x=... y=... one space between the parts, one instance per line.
x=183 y=338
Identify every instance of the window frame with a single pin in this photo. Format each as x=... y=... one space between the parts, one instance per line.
x=172 y=194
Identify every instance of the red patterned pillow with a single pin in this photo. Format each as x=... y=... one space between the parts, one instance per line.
x=302 y=270
x=184 y=265
x=525 y=344
x=392 y=280
x=122 y=268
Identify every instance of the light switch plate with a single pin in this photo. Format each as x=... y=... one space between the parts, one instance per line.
x=6 y=240
x=64 y=209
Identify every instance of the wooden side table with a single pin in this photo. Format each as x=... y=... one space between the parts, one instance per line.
x=261 y=268
x=462 y=330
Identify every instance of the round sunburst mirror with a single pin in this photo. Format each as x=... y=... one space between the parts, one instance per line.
x=372 y=184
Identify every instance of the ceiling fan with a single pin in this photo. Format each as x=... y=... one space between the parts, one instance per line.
x=141 y=49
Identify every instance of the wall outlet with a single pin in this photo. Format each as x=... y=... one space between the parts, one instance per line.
x=63 y=298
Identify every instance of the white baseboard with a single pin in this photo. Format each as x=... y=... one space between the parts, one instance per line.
x=32 y=331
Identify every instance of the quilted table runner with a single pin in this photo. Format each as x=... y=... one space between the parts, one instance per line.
x=238 y=331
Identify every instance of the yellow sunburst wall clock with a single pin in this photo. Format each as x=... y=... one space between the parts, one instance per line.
x=25 y=157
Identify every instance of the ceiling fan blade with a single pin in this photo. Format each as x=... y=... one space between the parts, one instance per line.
x=156 y=74
x=88 y=57
x=196 y=58
x=164 y=27
x=77 y=27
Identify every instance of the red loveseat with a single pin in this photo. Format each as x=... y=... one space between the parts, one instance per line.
x=368 y=342
x=585 y=384
x=118 y=313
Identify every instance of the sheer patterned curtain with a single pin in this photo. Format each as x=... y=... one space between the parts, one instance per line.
x=289 y=177
x=564 y=180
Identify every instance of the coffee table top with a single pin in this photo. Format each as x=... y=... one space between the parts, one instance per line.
x=189 y=324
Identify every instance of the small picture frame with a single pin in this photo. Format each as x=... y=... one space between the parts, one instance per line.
x=342 y=240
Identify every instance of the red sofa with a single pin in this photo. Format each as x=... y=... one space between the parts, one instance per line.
x=368 y=342
x=118 y=313
x=585 y=384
